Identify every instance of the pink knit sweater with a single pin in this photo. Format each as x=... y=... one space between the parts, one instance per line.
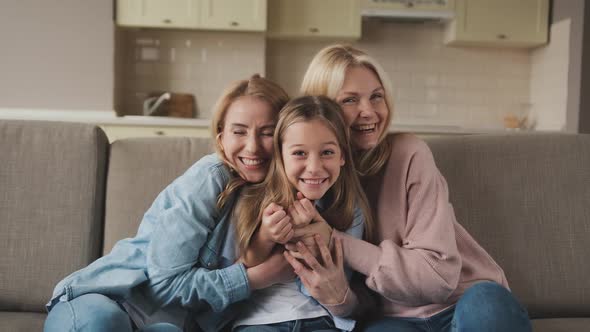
x=425 y=260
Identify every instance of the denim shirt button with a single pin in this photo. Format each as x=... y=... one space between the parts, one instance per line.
x=209 y=264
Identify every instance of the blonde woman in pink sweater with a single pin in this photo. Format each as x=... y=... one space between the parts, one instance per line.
x=431 y=275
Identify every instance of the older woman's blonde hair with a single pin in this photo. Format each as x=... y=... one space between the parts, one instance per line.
x=255 y=86
x=325 y=76
x=345 y=194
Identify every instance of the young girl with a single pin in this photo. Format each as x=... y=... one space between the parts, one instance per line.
x=313 y=163
x=172 y=266
x=429 y=272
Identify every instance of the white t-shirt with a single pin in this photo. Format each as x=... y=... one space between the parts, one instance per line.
x=278 y=303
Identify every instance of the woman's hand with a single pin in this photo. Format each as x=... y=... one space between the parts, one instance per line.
x=273 y=270
x=276 y=225
x=303 y=212
x=325 y=281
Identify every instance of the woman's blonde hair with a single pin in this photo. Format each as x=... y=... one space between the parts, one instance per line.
x=325 y=76
x=255 y=86
x=344 y=195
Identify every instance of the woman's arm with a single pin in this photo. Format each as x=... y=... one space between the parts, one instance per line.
x=274 y=270
x=275 y=228
x=424 y=266
x=185 y=215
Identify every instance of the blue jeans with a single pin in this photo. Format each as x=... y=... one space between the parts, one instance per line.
x=323 y=324
x=95 y=312
x=485 y=306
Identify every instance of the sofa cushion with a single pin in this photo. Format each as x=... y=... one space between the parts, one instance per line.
x=139 y=169
x=561 y=324
x=526 y=199
x=52 y=178
x=22 y=321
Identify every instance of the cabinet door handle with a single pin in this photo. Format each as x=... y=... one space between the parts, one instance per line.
x=234 y=24
x=167 y=21
x=409 y=4
x=502 y=36
x=314 y=30
x=160 y=133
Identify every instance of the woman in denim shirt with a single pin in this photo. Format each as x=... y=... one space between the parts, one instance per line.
x=171 y=273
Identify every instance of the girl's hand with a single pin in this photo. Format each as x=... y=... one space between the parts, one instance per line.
x=303 y=212
x=325 y=281
x=306 y=235
x=276 y=225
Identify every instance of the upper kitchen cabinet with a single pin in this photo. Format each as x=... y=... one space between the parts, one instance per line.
x=507 y=23
x=158 y=13
x=313 y=18
x=370 y=7
x=245 y=15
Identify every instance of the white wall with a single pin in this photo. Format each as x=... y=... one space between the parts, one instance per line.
x=549 y=79
x=572 y=10
x=56 y=54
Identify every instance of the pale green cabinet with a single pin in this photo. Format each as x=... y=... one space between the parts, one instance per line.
x=508 y=23
x=240 y=15
x=408 y=6
x=244 y=15
x=314 y=18
x=158 y=13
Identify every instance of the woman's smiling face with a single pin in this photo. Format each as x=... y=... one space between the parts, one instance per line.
x=362 y=98
x=246 y=138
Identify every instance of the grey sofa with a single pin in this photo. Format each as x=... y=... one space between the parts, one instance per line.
x=66 y=196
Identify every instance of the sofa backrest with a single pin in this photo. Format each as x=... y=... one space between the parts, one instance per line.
x=52 y=181
x=526 y=199
x=139 y=169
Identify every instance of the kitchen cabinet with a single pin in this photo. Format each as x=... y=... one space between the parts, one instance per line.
x=408 y=5
x=506 y=23
x=242 y=15
x=313 y=18
x=158 y=13
x=115 y=132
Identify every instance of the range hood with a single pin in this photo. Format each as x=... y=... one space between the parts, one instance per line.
x=409 y=10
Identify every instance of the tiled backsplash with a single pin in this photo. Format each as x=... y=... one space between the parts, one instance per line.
x=196 y=62
x=433 y=84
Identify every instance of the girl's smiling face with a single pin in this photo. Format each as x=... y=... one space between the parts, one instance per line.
x=246 y=138
x=362 y=98
x=312 y=157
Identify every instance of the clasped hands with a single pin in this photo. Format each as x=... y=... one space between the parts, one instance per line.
x=298 y=223
x=307 y=238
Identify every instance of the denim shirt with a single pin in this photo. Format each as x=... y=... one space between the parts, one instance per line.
x=356 y=229
x=173 y=261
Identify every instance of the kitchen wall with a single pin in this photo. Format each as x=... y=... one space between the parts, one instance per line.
x=570 y=14
x=549 y=79
x=201 y=63
x=433 y=84
x=56 y=55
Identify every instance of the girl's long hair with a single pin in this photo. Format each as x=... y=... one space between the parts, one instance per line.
x=325 y=76
x=255 y=86
x=344 y=195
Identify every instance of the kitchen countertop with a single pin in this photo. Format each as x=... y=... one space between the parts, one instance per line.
x=110 y=118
